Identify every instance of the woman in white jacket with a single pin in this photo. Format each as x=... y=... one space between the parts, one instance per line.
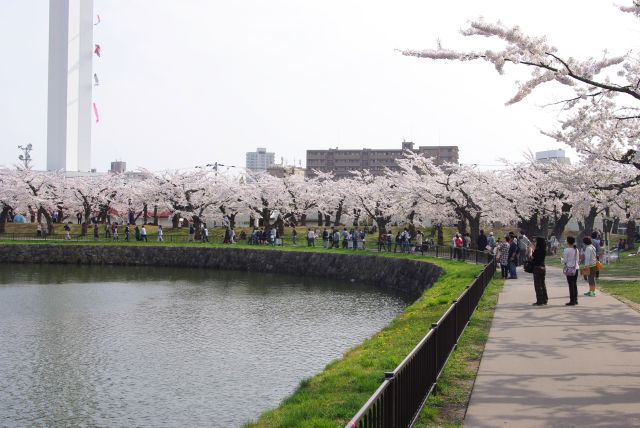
x=570 y=259
x=590 y=262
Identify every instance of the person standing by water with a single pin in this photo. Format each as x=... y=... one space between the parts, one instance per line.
x=570 y=259
x=539 y=271
x=589 y=270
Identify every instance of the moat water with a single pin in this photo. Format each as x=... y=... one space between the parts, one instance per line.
x=169 y=347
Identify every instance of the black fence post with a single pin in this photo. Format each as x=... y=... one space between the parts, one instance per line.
x=436 y=369
x=454 y=303
x=389 y=414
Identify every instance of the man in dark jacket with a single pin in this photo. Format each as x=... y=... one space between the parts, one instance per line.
x=482 y=241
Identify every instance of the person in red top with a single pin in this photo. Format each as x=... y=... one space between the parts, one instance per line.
x=457 y=247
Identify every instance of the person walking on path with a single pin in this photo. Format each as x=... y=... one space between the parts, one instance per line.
x=160 y=234
x=539 y=271
x=294 y=236
x=143 y=234
x=589 y=270
x=570 y=259
x=127 y=233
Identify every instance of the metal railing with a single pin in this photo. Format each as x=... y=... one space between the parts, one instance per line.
x=402 y=395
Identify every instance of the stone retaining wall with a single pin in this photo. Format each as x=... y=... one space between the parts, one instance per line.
x=406 y=276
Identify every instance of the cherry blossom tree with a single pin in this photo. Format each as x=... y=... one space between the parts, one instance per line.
x=10 y=195
x=265 y=196
x=43 y=193
x=601 y=119
x=375 y=195
x=93 y=196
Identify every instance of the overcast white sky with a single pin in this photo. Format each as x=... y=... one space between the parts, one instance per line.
x=190 y=82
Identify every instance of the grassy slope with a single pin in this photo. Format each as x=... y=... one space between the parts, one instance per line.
x=629 y=290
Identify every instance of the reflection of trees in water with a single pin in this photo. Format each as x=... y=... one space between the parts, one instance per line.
x=60 y=274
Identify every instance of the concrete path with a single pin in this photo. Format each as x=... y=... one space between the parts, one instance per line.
x=557 y=365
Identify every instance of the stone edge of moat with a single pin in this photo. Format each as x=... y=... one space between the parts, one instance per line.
x=401 y=275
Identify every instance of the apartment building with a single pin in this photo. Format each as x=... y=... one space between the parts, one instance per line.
x=341 y=162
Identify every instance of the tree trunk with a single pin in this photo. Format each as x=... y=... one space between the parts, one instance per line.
x=279 y=225
x=32 y=214
x=440 y=234
x=85 y=224
x=145 y=214
x=616 y=224
x=3 y=218
x=47 y=216
x=589 y=220
x=155 y=215
x=232 y=220
x=462 y=225
x=327 y=220
x=197 y=222
x=530 y=225
x=631 y=234
x=562 y=221
x=319 y=218
x=175 y=220
x=474 y=225
x=412 y=226
x=544 y=227
x=338 y=214
x=266 y=218
x=303 y=220
x=356 y=217
x=382 y=223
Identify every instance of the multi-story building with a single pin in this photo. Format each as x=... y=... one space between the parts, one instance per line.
x=259 y=160
x=341 y=162
x=549 y=156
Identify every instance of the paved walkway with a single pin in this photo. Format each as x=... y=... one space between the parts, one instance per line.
x=558 y=366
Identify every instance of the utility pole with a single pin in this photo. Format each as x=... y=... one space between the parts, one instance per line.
x=26 y=157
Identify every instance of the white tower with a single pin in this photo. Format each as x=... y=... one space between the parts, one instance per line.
x=70 y=85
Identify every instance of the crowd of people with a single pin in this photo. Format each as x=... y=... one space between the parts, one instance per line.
x=516 y=251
